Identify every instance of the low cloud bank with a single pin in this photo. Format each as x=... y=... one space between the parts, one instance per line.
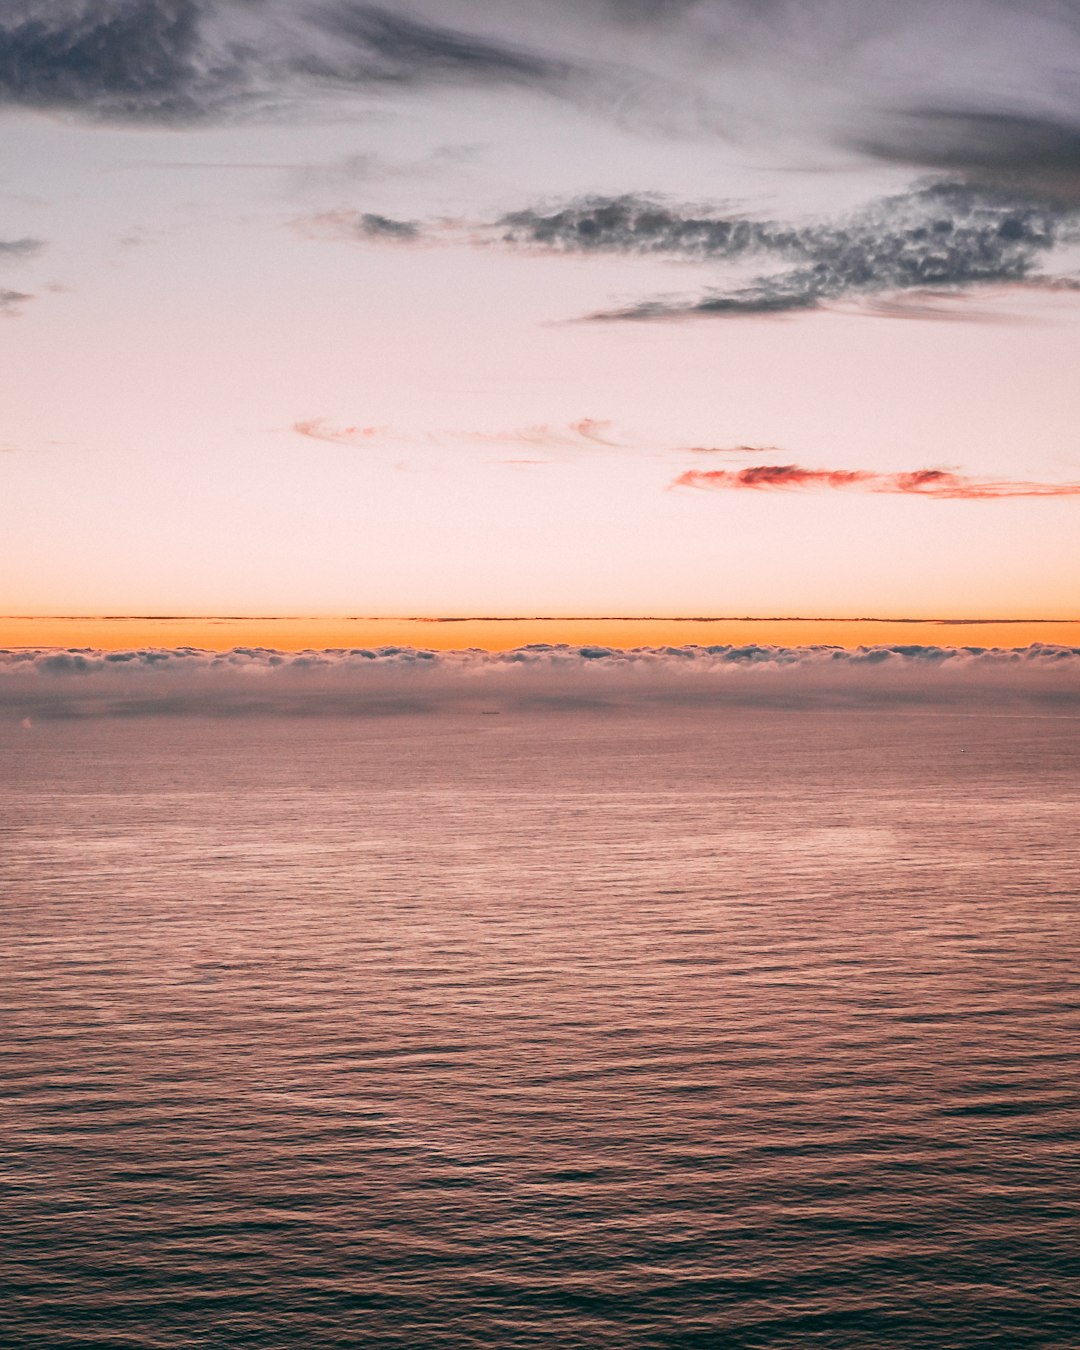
x=57 y=683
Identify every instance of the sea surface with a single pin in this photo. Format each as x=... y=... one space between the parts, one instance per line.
x=648 y=1028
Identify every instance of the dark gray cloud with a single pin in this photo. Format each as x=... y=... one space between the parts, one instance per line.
x=362 y=226
x=985 y=141
x=373 y=226
x=981 y=86
x=116 y=58
x=942 y=237
x=376 y=43
x=986 y=88
x=643 y=225
x=189 y=60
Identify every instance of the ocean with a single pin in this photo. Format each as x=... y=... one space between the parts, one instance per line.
x=646 y=1027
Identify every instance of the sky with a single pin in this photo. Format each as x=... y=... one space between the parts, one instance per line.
x=651 y=308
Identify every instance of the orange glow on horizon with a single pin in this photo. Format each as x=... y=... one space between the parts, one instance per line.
x=294 y=633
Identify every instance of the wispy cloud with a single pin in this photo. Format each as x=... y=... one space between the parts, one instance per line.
x=20 y=248
x=1039 y=152
x=376 y=43
x=14 y=250
x=365 y=166
x=588 y=431
x=940 y=483
x=584 y=433
x=11 y=302
x=319 y=429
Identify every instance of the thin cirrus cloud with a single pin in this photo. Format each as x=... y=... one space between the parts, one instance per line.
x=585 y=432
x=541 y=678
x=939 y=483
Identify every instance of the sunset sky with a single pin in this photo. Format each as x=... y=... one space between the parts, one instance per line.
x=539 y=308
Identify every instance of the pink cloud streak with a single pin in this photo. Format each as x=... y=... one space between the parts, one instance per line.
x=319 y=429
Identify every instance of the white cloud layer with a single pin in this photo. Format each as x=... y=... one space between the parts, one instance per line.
x=52 y=682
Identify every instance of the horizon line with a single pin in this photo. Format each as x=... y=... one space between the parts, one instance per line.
x=516 y=618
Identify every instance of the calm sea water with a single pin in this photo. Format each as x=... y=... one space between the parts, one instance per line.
x=598 y=1030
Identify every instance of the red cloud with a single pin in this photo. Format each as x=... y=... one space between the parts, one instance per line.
x=921 y=483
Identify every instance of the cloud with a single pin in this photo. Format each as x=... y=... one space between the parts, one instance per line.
x=942 y=238
x=586 y=431
x=985 y=143
x=643 y=225
x=141 y=59
x=375 y=43
x=55 y=683
x=595 y=430
x=20 y=248
x=190 y=60
x=980 y=86
x=914 y=254
x=941 y=483
x=11 y=302
x=319 y=429
x=366 y=166
x=363 y=225
x=373 y=226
